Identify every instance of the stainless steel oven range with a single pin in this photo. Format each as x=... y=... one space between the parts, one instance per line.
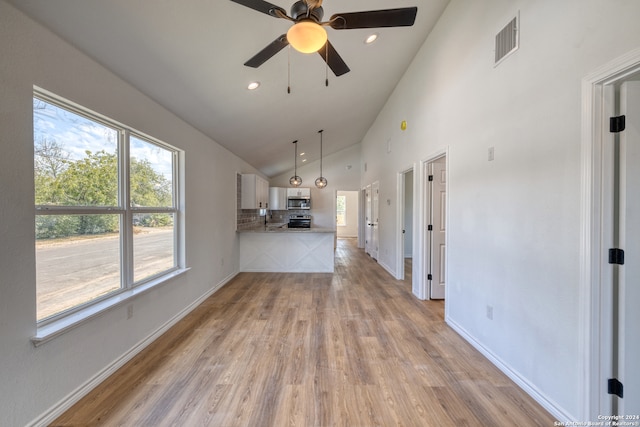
x=299 y=221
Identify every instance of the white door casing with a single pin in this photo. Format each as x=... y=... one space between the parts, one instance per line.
x=436 y=256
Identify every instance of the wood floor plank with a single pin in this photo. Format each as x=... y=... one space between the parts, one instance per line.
x=353 y=348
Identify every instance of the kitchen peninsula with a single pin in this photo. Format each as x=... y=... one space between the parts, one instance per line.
x=287 y=250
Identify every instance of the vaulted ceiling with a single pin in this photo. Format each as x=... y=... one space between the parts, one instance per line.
x=188 y=55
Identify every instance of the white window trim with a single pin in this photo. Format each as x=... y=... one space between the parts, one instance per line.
x=53 y=326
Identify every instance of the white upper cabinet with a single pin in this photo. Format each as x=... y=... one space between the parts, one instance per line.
x=255 y=192
x=278 y=198
x=299 y=192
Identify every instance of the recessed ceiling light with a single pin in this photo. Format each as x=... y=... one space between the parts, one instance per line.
x=304 y=160
x=302 y=154
x=253 y=85
x=371 y=38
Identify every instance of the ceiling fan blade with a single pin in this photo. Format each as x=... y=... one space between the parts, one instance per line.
x=403 y=17
x=274 y=47
x=261 y=6
x=333 y=59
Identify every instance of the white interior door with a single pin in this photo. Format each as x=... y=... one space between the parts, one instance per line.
x=437 y=228
x=375 y=204
x=629 y=241
x=367 y=219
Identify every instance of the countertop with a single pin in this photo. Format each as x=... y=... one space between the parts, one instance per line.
x=282 y=228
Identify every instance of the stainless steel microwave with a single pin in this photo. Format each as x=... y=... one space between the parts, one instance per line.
x=297 y=203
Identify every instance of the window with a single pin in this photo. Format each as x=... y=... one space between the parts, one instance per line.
x=106 y=208
x=341 y=211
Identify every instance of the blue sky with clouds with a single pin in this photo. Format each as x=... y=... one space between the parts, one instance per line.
x=77 y=134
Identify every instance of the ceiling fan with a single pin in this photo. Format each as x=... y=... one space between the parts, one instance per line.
x=307 y=35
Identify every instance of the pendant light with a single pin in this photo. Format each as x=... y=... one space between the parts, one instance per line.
x=321 y=182
x=295 y=180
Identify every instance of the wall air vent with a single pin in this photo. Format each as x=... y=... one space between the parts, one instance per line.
x=507 y=41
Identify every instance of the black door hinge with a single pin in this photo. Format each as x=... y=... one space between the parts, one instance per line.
x=429 y=227
x=615 y=387
x=616 y=124
x=430 y=177
x=429 y=276
x=404 y=231
x=616 y=256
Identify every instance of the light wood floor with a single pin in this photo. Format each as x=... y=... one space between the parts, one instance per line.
x=353 y=348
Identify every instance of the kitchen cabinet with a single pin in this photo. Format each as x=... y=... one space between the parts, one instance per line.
x=299 y=192
x=278 y=198
x=254 y=192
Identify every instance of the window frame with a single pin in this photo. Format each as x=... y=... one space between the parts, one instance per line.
x=53 y=325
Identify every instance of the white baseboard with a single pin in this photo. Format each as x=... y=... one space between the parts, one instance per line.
x=547 y=403
x=387 y=268
x=72 y=398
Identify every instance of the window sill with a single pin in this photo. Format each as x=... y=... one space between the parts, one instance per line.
x=60 y=326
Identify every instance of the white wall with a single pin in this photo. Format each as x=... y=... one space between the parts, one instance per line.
x=350 y=229
x=514 y=223
x=342 y=170
x=33 y=380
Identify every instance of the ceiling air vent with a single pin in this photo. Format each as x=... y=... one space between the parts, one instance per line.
x=507 y=40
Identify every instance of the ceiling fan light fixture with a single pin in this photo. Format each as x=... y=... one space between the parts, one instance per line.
x=307 y=36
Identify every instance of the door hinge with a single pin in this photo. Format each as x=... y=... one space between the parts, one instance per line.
x=616 y=124
x=429 y=276
x=429 y=227
x=404 y=231
x=615 y=387
x=616 y=256
x=430 y=177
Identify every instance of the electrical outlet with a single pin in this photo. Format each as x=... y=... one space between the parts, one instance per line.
x=489 y=312
x=129 y=311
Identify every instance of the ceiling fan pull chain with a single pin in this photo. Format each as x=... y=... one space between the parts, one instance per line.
x=326 y=64
x=289 y=69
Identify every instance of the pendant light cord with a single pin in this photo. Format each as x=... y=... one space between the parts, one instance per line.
x=320 y=132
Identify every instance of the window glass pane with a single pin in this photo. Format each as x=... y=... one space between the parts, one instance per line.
x=75 y=158
x=153 y=244
x=77 y=260
x=151 y=174
x=341 y=211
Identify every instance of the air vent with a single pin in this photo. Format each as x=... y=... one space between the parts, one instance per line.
x=507 y=41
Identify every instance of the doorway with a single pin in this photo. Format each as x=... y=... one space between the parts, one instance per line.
x=611 y=221
x=404 y=262
x=346 y=214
